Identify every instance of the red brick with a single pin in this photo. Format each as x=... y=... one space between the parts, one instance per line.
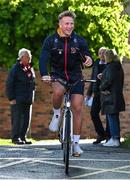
x=42 y=109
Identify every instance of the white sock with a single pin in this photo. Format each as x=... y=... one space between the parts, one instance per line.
x=57 y=111
x=76 y=138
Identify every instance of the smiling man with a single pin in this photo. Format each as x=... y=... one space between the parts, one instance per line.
x=67 y=53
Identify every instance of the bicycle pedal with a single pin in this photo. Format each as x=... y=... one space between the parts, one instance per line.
x=76 y=154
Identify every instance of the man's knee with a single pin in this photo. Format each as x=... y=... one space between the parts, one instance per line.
x=77 y=109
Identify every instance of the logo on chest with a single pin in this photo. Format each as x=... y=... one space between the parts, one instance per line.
x=73 y=50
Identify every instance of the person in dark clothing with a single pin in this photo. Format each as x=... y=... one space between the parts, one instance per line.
x=20 y=87
x=67 y=53
x=94 y=91
x=112 y=99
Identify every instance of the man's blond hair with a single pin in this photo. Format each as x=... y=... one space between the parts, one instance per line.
x=67 y=13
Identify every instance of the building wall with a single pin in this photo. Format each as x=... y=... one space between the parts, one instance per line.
x=42 y=109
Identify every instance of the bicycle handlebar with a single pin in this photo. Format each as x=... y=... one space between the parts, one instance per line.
x=69 y=85
x=50 y=79
x=65 y=82
x=89 y=80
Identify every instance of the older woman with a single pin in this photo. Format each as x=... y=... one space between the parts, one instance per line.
x=112 y=99
x=94 y=91
x=20 y=86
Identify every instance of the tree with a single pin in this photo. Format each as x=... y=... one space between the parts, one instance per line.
x=102 y=24
x=26 y=24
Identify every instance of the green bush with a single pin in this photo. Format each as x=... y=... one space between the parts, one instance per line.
x=26 y=23
x=126 y=142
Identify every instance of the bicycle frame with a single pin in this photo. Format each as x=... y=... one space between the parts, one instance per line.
x=67 y=125
x=67 y=106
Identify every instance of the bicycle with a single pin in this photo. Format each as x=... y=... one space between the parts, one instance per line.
x=66 y=123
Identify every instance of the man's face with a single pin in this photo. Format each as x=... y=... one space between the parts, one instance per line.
x=25 y=59
x=67 y=25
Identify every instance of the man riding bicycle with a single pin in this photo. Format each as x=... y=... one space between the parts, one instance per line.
x=66 y=53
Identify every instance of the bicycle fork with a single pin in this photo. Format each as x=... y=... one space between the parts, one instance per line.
x=71 y=128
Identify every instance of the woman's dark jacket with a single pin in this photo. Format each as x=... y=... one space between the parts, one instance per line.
x=19 y=86
x=112 y=99
x=97 y=69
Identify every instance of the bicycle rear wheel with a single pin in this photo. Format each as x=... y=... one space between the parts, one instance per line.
x=67 y=140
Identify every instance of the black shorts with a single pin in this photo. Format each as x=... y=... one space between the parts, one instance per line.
x=77 y=85
x=78 y=88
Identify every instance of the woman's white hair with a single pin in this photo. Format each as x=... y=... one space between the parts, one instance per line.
x=22 y=52
x=102 y=48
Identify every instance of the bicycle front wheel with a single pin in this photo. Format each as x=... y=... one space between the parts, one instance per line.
x=67 y=140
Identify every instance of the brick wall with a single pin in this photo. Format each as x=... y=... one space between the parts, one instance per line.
x=42 y=110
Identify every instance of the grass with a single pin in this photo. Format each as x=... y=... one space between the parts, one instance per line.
x=8 y=142
x=126 y=142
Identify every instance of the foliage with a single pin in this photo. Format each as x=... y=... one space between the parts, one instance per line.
x=26 y=24
x=126 y=142
x=104 y=25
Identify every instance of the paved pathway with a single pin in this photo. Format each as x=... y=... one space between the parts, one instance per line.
x=43 y=160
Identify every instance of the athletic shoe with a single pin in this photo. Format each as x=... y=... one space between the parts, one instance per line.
x=76 y=150
x=54 y=124
x=112 y=143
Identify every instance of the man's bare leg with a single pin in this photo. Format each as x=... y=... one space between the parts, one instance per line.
x=77 y=101
x=57 y=98
x=58 y=94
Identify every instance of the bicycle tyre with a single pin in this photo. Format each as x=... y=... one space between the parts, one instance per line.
x=66 y=145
